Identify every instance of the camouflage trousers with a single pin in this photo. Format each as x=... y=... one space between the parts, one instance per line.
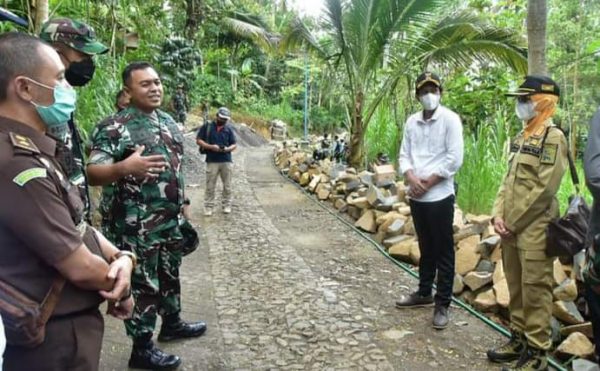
x=181 y=116
x=155 y=284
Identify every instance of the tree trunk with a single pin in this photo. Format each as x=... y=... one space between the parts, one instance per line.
x=194 y=17
x=357 y=133
x=41 y=15
x=537 y=12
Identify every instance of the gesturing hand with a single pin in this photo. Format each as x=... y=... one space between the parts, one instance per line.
x=144 y=166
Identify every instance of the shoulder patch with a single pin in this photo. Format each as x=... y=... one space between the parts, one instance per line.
x=26 y=175
x=23 y=142
x=549 y=154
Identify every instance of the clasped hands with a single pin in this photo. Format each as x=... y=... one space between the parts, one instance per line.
x=419 y=187
x=216 y=148
x=120 y=301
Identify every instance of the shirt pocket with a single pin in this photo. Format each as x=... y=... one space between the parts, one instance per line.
x=527 y=171
x=437 y=138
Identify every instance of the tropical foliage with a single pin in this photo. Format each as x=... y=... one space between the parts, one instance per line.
x=354 y=65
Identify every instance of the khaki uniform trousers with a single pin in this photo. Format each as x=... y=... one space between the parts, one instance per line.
x=529 y=274
x=214 y=170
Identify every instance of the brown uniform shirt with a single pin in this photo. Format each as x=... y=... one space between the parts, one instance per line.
x=37 y=229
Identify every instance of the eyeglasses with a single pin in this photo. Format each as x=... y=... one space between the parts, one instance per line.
x=524 y=98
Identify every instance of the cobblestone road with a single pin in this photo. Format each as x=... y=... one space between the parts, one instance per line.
x=284 y=285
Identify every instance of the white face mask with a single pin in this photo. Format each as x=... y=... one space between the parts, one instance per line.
x=430 y=101
x=525 y=111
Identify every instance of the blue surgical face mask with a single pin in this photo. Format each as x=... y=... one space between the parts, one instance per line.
x=56 y=116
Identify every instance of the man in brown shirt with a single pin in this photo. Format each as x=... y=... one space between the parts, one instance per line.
x=43 y=235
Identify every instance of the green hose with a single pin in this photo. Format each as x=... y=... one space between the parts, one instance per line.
x=409 y=270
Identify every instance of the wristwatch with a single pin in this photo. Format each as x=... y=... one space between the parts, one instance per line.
x=128 y=254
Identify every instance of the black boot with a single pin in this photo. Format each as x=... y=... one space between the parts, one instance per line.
x=145 y=355
x=508 y=352
x=532 y=359
x=174 y=328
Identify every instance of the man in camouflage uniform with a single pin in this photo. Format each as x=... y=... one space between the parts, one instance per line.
x=137 y=155
x=180 y=105
x=76 y=45
x=525 y=204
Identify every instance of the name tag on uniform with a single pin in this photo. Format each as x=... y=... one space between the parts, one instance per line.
x=549 y=154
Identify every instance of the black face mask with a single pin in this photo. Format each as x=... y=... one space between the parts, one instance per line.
x=221 y=122
x=80 y=73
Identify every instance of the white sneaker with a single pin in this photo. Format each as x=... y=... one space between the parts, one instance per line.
x=208 y=212
x=227 y=210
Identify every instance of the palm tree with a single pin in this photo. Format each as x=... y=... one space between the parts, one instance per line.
x=537 y=13
x=361 y=32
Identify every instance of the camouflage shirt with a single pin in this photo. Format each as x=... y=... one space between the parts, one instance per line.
x=69 y=154
x=140 y=207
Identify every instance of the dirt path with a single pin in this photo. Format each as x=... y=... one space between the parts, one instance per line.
x=285 y=285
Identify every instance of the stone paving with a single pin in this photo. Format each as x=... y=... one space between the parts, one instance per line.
x=284 y=285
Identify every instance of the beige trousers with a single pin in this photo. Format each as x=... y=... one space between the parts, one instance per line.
x=215 y=170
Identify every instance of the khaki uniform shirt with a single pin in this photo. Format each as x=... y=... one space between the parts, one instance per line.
x=527 y=197
x=37 y=227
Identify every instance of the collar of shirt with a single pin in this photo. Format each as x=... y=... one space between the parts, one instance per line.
x=434 y=117
x=43 y=142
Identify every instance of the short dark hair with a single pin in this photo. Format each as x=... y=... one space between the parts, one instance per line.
x=19 y=55
x=134 y=66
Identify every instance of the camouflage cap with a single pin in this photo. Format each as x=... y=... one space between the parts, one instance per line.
x=75 y=34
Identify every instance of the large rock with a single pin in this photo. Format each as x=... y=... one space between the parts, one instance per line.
x=375 y=196
x=476 y=280
x=396 y=228
x=304 y=179
x=354 y=212
x=468 y=231
x=366 y=178
x=360 y=202
x=496 y=255
x=402 y=250
x=385 y=175
x=485 y=266
x=486 y=301
x=581 y=364
x=488 y=245
x=502 y=294
x=404 y=210
x=409 y=228
x=459 y=220
x=566 y=291
x=312 y=186
x=567 y=312
x=390 y=216
x=467 y=256
x=559 y=273
x=367 y=222
x=458 y=286
x=323 y=192
x=584 y=328
x=577 y=344
x=498 y=273
x=389 y=242
x=341 y=205
x=479 y=219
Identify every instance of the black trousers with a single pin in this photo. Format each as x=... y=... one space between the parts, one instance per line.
x=433 y=224
x=593 y=302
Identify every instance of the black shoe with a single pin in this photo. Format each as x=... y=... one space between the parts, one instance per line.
x=508 y=352
x=414 y=300
x=440 y=317
x=181 y=330
x=151 y=358
x=531 y=359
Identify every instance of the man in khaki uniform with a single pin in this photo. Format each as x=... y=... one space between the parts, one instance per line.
x=525 y=204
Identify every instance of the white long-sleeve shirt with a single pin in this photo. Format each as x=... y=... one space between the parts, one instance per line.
x=432 y=147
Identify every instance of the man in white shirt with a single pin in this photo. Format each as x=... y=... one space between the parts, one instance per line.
x=430 y=155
